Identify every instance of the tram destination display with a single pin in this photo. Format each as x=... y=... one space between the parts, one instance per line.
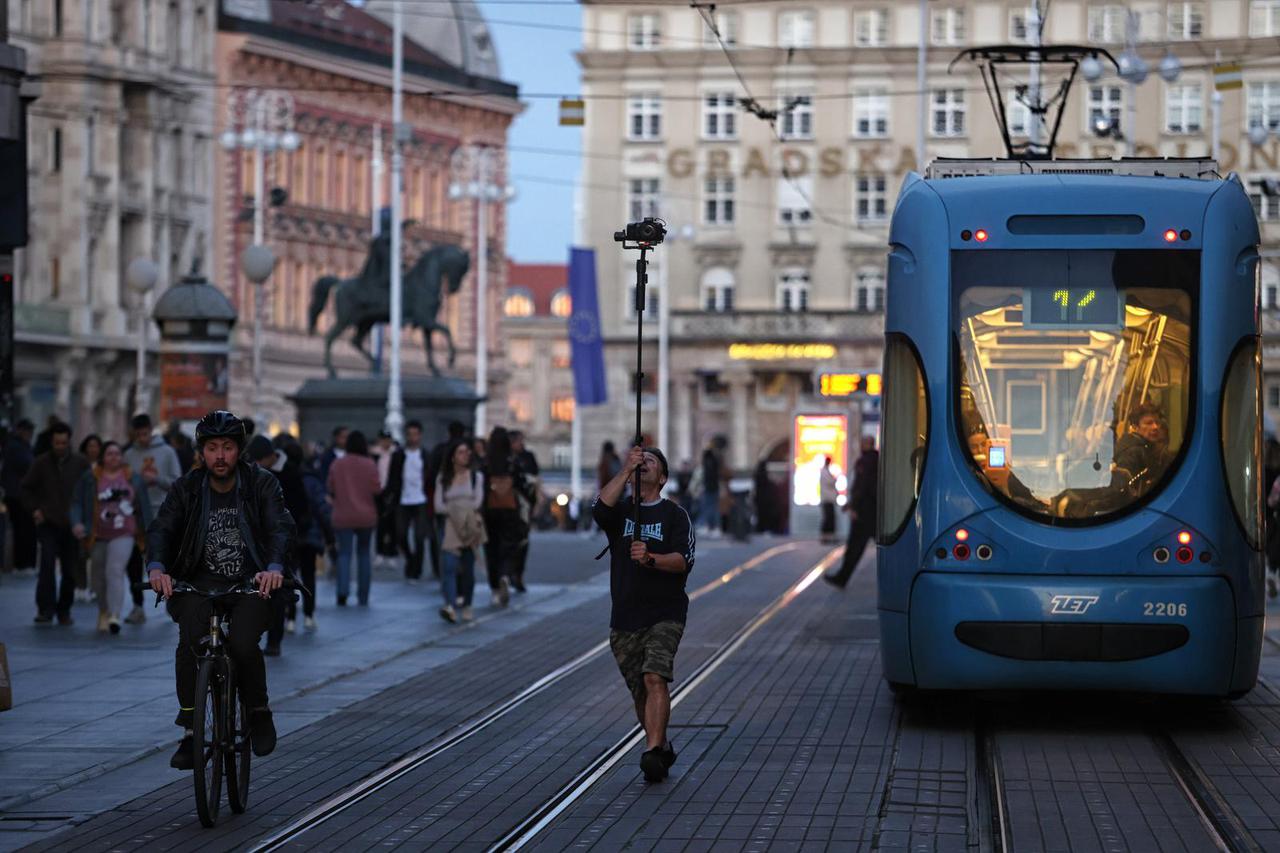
x=1071 y=308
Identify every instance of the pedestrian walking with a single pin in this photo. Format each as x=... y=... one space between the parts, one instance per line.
x=408 y=486
x=647 y=575
x=528 y=464
x=713 y=485
x=827 y=496
x=91 y=450
x=17 y=462
x=386 y=544
x=318 y=539
x=110 y=511
x=505 y=488
x=459 y=494
x=337 y=449
x=608 y=465
x=47 y=491
x=862 y=511
x=157 y=463
x=261 y=452
x=353 y=487
x=456 y=432
x=181 y=445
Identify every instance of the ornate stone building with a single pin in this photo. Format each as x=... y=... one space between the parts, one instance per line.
x=335 y=62
x=540 y=386
x=778 y=231
x=120 y=167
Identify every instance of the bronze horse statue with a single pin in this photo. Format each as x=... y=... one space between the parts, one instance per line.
x=360 y=308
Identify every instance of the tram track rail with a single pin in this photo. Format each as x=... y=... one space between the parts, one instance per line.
x=1211 y=807
x=992 y=812
x=406 y=764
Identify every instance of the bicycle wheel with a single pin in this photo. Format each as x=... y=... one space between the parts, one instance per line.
x=206 y=743
x=239 y=751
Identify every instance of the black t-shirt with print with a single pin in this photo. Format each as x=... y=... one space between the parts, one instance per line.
x=644 y=596
x=224 y=563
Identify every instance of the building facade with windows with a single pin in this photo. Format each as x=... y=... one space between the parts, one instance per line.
x=120 y=152
x=775 y=143
x=540 y=399
x=334 y=61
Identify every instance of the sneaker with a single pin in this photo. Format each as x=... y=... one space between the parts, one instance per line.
x=262 y=731
x=342 y=601
x=309 y=623
x=137 y=616
x=183 y=759
x=82 y=596
x=272 y=650
x=448 y=614
x=113 y=624
x=652 y=765
x=414 y=581
x=43 y=618
x=833 y=580
x=669 y=754
x=467 y=615
x=518 y=585
x=65 y=619
x=290 y=626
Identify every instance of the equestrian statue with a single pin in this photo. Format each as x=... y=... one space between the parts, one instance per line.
x=362 y=302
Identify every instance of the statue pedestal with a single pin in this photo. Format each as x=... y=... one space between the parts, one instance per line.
x=324 y=404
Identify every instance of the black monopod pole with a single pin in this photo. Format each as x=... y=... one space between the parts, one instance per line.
x=642 y=278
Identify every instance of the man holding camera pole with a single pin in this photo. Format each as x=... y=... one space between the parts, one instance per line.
x=647 y=577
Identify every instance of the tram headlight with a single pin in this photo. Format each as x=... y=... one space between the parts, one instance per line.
x=1170 y=236
x=1184 y=537
x=981 y=235
x=1184 y=554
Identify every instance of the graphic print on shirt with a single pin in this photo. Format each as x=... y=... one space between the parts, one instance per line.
x=223 y=550
x=652 y=532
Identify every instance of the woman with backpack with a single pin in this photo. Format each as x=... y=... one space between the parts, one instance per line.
x=505 y=487
x=459 y=494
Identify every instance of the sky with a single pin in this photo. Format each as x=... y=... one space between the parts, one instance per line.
x=541 y=61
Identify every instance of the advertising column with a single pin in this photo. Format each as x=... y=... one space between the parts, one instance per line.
x=195 y=322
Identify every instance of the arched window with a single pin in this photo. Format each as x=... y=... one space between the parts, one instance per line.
x=561 y=305
x=717 y=289
x=519 y=303
x=868 y=289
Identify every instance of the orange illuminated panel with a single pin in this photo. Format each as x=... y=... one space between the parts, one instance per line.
x=848 y=384
x=815 y=438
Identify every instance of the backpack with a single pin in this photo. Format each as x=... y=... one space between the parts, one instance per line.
x=502 y=492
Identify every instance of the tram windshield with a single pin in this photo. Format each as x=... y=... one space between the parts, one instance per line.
x=1074 y=374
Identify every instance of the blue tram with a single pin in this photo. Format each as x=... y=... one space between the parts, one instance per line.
x=1070 y=481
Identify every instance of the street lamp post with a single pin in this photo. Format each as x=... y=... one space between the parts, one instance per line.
x=266 y=119
x=395 y=394
x=471 y=179
x=141 y=276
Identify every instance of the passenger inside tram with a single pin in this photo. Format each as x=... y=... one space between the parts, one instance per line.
x=1140 y=459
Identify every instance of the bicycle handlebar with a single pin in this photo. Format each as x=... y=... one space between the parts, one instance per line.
x=243 y=589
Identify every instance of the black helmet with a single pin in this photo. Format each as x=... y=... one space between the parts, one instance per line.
x=220 y=424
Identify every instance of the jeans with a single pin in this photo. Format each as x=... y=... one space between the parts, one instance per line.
x=250 y=617
x=360 y=539
x=306 y=556
x=415 y=518
x=711 y=511
x=110 y=557
x=459 y=576
x=57 y=546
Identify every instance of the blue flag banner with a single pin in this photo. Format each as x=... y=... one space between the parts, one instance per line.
x=585 y=342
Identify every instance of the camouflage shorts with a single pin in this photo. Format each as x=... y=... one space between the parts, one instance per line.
x=650 y=650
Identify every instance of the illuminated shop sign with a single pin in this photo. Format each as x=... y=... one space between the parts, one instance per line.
x=848 y=384
x=780 y=352
x=816 y=438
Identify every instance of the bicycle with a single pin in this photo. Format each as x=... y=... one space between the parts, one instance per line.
x=221 y=735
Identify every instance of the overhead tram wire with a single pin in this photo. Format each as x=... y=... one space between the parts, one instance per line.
x=770 y=117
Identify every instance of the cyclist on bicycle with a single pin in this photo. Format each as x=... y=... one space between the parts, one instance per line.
x=220 y=526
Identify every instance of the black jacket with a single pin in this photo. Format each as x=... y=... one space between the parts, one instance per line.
x=176 y=537
x=395 y=479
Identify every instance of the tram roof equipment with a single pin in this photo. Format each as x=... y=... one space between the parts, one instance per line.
x=1199 y=168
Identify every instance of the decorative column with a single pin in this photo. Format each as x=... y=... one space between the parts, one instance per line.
x=740 y=385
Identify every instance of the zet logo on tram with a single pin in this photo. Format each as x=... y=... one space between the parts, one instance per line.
x=1072 y=605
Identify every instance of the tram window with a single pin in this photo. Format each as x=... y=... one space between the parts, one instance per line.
x=1242 y=439
x=904 y=415
x=1086 y=405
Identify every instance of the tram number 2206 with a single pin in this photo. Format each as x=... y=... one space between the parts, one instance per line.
x=1164 y=608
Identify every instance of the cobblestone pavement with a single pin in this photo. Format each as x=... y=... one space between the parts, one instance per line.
x=519 y=733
